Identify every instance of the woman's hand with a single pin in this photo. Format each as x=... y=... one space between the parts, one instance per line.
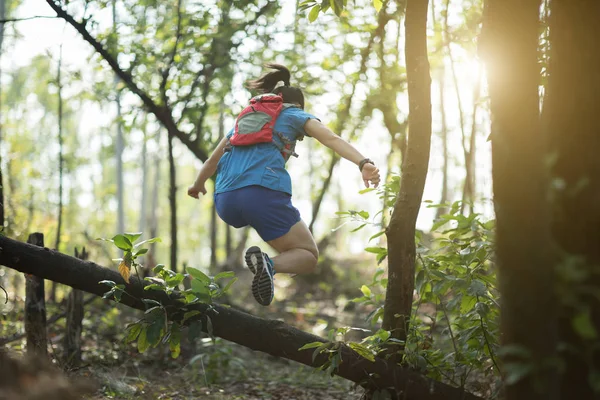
x=195 y=190
x=370 y=173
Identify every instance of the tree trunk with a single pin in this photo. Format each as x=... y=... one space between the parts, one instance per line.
x=60 y=165
x=401 y=231
x=72 y=341
x=526 y=274
x=213 y=238
x=144 y=197
x=570 y=115
x=35 y=308
x=119 y=141
x=173 y=204
x=2 y=17
x=444 y=197
x=151 y=259
x=269 y=336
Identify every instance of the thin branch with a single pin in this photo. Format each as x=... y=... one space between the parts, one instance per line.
x=3 y=21
x=487 y=343
x=162 y=113
x=167 y=70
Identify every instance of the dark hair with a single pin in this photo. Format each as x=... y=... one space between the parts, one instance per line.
x=267 y=82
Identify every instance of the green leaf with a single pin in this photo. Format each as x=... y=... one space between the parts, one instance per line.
x=365 y=290
x=175 y=341
x=197 y=274
x=582 y=323
x=383 y=334
x=337 y=6
x=228 y=286
x=377 y=235
x=310 y=345
x=478 y=288
x=151 y=302
x=364 y=214
x=376 y=250
x=467 y=303
x=158 y=268
x=314 y=13
x=199 y=288
x=142 y=342
x=148 y=241
x=122 y=242
x=108 y=283
x=223 y=275
x=134 y=332
x=154 y=286
x=322 y=347
x=175 y=280
x=140 y=252
x=189 y=315
x=154 y=331
x=377 y=4
x=359 y=228
x=482 y=309
x=367 y=190
x=362 y=350
x=132 y=236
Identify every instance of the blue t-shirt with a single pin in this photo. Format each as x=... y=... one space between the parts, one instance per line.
x=262 y=164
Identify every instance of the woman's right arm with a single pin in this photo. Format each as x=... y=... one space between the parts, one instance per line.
x=208 y=169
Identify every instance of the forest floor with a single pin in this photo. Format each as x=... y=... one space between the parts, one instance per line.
x=228 y=371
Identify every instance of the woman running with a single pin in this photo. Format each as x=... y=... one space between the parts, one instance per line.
x=253 y=187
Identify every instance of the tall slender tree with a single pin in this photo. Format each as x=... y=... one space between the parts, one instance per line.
x=2 y=18
x=172 y=203
x=401 y=230
x=119 y=142
x=59 y=217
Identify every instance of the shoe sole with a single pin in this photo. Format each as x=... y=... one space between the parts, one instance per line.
x=262 y=283
x=251 y=255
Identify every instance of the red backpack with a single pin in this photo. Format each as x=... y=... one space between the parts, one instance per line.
x=256 y=123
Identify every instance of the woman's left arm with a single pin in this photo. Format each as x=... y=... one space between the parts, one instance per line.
x=323 y=134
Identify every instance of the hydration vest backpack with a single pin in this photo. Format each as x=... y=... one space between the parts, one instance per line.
x=256 y=124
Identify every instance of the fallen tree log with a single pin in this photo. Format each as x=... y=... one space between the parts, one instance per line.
x=269 y=336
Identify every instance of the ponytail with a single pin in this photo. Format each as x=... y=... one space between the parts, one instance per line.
x=267 y=82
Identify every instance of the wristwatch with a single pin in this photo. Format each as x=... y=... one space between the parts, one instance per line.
x=363 y=162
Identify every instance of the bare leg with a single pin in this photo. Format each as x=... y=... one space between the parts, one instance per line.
x=298 y=253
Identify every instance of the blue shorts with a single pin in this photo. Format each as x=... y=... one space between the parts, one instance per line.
x=269 y=212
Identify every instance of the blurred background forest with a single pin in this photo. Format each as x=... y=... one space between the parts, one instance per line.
x=89 y=152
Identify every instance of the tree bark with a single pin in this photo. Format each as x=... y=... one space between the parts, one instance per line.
x=269 y=336
x=35 y=307
x=401 y=231
x=570 y=116
x=525 y=263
